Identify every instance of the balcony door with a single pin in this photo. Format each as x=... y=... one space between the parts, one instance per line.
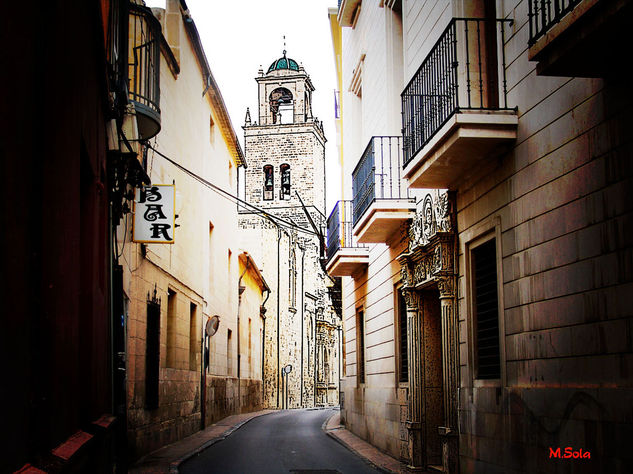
x=491 y=63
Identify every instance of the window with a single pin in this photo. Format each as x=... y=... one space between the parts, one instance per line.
x=269 y=183
x=211 y=257
x=152 y=353
x=284 y=191
x=486 y=310
x=401 y=320
x=250 y=349
x=229 y=353
x=281 y=105
x=229 y=273
x=360 y=346
x=171 y=328
x=292 y=279
x=193 y=336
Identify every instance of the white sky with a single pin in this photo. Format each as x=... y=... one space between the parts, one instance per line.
x=238 y=36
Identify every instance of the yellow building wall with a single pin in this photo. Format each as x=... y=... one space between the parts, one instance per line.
x=201 y=268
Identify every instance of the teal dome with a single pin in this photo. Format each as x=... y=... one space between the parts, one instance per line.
x=283 y=63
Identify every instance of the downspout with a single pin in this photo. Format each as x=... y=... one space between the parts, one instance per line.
x=316 y=346
x=278 y=306
x=262 y=314
x=303 y=255
x=240 y=290
x=203 y=377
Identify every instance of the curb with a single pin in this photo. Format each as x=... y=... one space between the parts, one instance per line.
x=174 y=465
x=348 y=447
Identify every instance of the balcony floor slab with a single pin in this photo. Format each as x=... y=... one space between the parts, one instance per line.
x=459 y=146
x=382 y=219
x=347 y=261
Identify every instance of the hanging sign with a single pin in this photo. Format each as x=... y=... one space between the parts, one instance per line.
x=154 y=214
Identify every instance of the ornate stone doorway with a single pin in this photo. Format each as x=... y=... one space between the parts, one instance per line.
x=432 y=390
x=428 y=285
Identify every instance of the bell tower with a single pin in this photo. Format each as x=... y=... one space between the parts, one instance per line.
x=285 y=93
x=286 y=147
x=285 y=152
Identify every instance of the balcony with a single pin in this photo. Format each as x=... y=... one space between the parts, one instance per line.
x=576 y=38
x=348 y=12
x=455 y=111
x=381 y=197
x=344 y=255
x=144 y=69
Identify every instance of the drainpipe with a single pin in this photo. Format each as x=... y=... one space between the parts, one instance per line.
x=278 y=306
x=240 y=290
x=316 y=346
x=203 y=377
x=303 y=255
x=262 y=314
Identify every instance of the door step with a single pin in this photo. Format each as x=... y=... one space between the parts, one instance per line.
x=435 y=468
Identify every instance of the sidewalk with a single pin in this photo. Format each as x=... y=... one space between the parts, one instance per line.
x=362 y=448
x=168 y=458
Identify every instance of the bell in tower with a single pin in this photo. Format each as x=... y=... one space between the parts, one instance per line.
x=285 y=93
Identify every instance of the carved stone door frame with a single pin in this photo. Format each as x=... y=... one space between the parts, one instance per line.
x=429 y=261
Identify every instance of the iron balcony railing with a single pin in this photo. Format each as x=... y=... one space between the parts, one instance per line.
x=117 y=46
x=339 y=229
x=461 y=72
x=144 y=65
x=378 y=174
x=543 y=14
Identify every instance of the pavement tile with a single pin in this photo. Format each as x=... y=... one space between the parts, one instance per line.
x=362 y=448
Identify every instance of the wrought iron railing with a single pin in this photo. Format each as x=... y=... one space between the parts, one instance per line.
x=144 y=64
x=461 y=72
x=339 y=228
x=378 y=174
x=117 y=44
x=543 y=14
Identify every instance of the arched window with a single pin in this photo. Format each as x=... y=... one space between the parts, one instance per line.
x=269 y=183
x=292 y=276
x=284 y=191
x=282 y=105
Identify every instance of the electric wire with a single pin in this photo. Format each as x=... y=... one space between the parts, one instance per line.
x=277 y=220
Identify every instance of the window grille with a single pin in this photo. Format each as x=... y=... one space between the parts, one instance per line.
x=486 y=311
x=152 y=352
x=360 y=346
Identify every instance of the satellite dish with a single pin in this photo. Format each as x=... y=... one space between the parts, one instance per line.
x=212 y=326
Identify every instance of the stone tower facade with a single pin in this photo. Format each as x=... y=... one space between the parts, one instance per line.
x=285 y=149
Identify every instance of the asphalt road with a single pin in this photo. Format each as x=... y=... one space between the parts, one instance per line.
x=285 y=441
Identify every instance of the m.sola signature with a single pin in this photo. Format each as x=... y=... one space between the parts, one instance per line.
x=569 y=453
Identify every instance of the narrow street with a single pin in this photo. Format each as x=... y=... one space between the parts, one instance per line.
x=286 y=441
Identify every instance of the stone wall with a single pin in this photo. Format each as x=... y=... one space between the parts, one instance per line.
x=200 y=270
x=374 y=410
x=559 y=204
x=230 y=396
x=289 y=257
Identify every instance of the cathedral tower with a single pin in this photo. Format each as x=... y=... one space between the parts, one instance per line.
x=286 y=147
x=285 y=150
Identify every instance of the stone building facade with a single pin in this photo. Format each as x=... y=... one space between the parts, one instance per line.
x=193 y=314
x=486 y=288
x=285 y=147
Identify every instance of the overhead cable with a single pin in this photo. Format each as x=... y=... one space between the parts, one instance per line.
x=226 y=194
